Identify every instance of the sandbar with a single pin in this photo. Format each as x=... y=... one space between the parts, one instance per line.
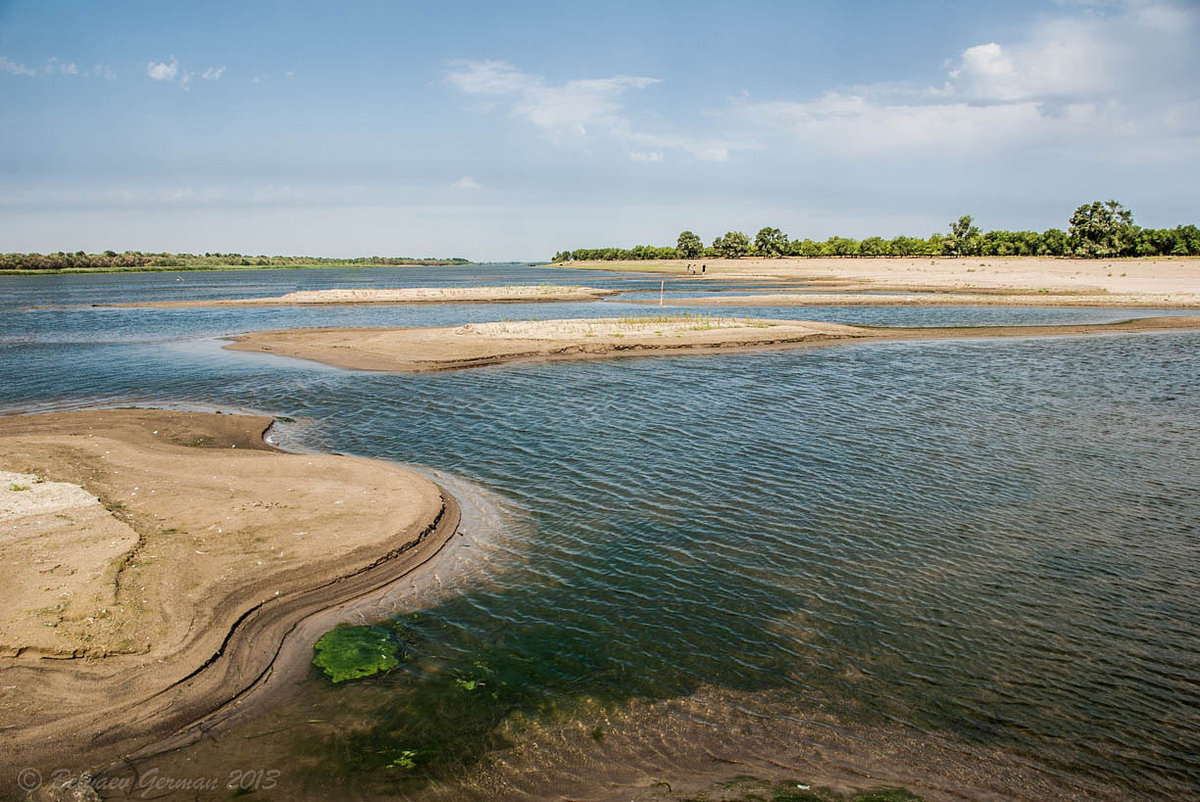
x=935 y=297
x=156 y=560
x=413 y=350
x=398 y=295
x=1031 y=281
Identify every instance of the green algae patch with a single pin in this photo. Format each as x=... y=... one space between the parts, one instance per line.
x=348 y=653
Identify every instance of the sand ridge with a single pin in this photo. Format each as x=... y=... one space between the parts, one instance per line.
x=412 y=350
x=178 y=550
x=397 y=295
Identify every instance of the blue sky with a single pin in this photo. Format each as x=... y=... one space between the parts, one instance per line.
x=513 y=130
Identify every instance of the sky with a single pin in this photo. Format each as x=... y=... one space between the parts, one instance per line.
x=513 y=130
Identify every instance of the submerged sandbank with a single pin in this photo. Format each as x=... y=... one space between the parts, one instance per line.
x=411 y=350
x=399 y=295
x=157 y=560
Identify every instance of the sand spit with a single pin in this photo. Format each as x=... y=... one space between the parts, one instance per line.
x=1163 y=282
x=412 y=350
x=404 y=295
x=155 y=562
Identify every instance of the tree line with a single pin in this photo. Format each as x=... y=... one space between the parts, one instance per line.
x=1101 y=229
x=133 y=260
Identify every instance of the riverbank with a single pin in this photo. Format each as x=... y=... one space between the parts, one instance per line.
x=20 y=271
x=413 y=350
x=1163 y=282
x=158 y=560
x=398 y=295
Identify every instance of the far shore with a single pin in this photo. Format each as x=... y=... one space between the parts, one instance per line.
x=414 y=350
x=399 y=295
x=158 y=560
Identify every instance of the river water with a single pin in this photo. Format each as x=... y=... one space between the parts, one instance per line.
x=971 y=568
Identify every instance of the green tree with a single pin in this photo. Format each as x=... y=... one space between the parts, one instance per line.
x=1054 y=242
x=1187 y=241
x=964 y=239
x=689 y=246
x=904 y=246
x=732 y=245
x=771 y=242
x=810 y=249
x=873 y=246
x=841 y=246
x=1101 y=230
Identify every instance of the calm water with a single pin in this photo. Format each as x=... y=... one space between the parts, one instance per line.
x=967 y=566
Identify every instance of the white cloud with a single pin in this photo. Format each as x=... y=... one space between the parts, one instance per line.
x=574 y=111
x=56 y=67
x=645 y=156
x=13 y=68
x=567 y=111
x=488 y=77
x=564 y=112
x=1123 y=72
x=466 y=182
x=853 y=126
x=706 y=150
x=161 y=71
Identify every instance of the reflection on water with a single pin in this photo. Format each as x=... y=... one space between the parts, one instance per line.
x=969 y=568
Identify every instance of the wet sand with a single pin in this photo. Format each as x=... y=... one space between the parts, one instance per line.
x=158 y=560
x=412 y=350
x=402 y=295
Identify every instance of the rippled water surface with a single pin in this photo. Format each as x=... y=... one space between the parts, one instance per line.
x=966 y=566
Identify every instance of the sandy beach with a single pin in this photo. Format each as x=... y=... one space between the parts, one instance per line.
x=401 y=295
x=1162 y=283
x=157 y=560
x=412 y=350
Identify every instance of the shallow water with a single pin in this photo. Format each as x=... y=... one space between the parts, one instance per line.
x=956 y=565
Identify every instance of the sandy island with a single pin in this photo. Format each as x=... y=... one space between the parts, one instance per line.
x=987 y=280
x=412 y=350
x=400 y=295
x=155 y=561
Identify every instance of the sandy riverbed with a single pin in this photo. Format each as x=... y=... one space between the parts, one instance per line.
x=399 y=295
x=156 y=560
x=1164 y=282
x=477 y=344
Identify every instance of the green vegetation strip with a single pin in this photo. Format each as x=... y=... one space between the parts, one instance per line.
x=1097 y=230
x=138 y=261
